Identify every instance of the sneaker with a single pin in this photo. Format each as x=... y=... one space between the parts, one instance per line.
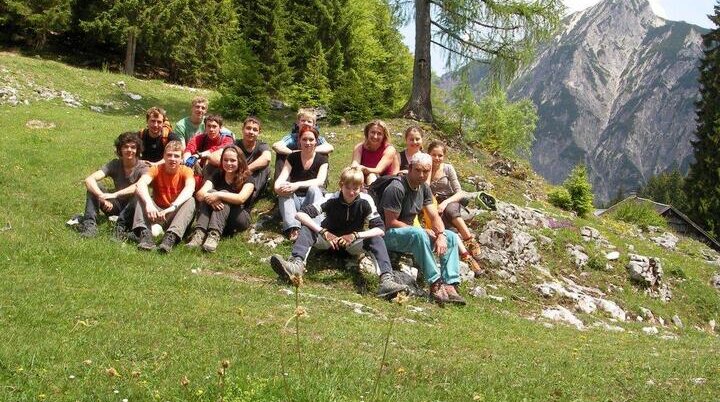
x=87 y=228
x=388 y=287
x=197 y=238
x=438 y=293
x=453 y=295
x=211 y=242
x=168 y=242
x=287 y=269
x=147 y=242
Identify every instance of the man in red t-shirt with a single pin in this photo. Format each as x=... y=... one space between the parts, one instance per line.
x=171 y=204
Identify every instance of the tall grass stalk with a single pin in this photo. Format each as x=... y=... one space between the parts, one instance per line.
x=400 y=299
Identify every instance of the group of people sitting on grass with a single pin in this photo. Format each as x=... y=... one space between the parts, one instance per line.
x=403 y=202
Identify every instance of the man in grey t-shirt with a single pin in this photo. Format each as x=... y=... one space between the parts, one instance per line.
x=400 y=203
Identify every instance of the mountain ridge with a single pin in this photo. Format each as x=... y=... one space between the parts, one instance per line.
x=624 y=103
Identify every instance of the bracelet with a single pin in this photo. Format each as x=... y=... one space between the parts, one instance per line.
x=322 y=232
x=355 y=236
x=441 y=233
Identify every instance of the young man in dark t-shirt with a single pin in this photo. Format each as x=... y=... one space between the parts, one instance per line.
x=347 y=212
x=401 y=201
x=257 y=154
x=156 y=135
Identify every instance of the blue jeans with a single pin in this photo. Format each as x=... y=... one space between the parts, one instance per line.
x=289 y=206
x=415 y=241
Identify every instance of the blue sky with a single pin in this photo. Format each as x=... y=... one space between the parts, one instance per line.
x=692 y=11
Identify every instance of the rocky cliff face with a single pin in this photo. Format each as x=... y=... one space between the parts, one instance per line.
x=614 y=90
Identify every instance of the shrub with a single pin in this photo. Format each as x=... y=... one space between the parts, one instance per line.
x=640 y=214
x=580 y=190
x=560 y=198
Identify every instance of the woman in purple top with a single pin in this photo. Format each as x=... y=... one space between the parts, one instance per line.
x=375 y=156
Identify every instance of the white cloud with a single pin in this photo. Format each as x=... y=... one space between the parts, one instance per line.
x=658 y=9
x=577 y=5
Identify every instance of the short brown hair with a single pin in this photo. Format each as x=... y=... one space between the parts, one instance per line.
x=155 y=111
x=174 y=146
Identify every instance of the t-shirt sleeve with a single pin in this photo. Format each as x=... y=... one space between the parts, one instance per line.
x=109 y=168
x=153 y=171
x=453 y=178
x=392 y=198
x=427 y=195
x=185 y=172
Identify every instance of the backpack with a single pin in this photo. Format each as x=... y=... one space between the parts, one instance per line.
x=166 y=130
x=377 y=188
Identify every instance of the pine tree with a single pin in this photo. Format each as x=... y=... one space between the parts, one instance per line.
x=242 y=87
x=35 y=20
x=703 y=181
x=265 y=25
x=314 y=89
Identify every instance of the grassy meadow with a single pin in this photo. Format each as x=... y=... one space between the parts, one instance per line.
x=89 y=320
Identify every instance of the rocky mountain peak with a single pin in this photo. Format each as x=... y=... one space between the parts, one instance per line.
x=615 y=90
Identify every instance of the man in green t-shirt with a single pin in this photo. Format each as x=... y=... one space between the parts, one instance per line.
x=195 y=123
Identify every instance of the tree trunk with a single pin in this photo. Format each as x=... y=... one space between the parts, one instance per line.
x=130 y=53
x=419 y=107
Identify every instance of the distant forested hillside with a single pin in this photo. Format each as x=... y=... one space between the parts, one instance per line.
x=346 y=56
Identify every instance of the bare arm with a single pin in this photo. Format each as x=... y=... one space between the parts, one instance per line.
x=325 y=148
x=388 y=158
x=392 y=221
x=235 y=198
x=262 y=162
x=280 y=148
x=282 y=177
x=438 y=228
x=207 y=186
x=91 y=182
x=357 y=155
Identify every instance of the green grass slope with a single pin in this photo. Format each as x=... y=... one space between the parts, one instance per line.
x=88 y=320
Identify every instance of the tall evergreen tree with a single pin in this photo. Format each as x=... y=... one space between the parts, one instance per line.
x=35 y=20
x=666 y=188
x=503 y=33
x=703 y=181
x=265 y=24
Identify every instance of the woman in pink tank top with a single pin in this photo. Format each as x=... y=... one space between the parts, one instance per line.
x=375 y=156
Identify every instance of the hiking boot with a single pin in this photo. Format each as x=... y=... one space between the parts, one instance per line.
x=388 y=287
x=120 y=234
x=473 y=264
x=453 y=295
x=294 y=267
x=168 y=242
x=87 y=228
x=197 y=238
x=211 y=242
x=147 y=241
x=438 y=293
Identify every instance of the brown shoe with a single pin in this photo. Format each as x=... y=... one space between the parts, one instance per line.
x=472 y=246
x=473 y=264
x=453 y=295
x=438 y=293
